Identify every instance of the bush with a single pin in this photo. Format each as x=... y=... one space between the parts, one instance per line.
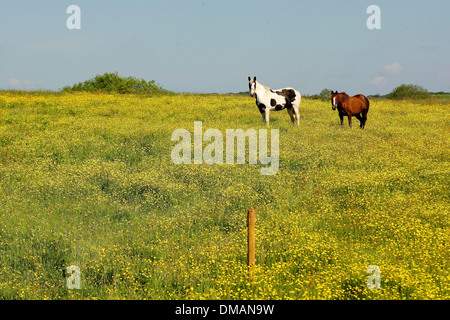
x=324 y=95
x=409 y=91
x=113 y=83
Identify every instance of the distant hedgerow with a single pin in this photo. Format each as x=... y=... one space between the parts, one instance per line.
x=409 y=91
x=113 y=83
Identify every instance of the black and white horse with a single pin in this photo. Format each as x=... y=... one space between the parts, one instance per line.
x=268 y=99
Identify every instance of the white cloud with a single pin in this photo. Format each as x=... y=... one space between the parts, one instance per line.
x=379 y=80
x=13 y=82
x=389 y=70
x=392 y=68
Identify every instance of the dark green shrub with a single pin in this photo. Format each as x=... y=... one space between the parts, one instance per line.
x=324 y=95
x=113 y=83
x=409 y=91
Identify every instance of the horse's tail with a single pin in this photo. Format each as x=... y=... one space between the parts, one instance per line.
x=367 y=104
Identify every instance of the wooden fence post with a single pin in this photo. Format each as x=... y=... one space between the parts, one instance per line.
x=251 y=221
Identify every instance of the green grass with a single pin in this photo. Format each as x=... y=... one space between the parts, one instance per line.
x=87 y=180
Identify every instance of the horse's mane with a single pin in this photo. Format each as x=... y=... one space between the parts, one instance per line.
x=344 y=97
x=265 y=88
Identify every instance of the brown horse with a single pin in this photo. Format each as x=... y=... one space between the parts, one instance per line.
x=357 y=106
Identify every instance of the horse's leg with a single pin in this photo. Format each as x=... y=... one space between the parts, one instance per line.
x=358 y=116
x=262 y=110
x=267 y=117
x=349 y=119
x=291 y=114
x=263 y=113
x=297 y=116
x=364 y=114
x=341 y=116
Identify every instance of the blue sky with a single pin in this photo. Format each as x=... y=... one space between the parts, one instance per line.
x=213 y=46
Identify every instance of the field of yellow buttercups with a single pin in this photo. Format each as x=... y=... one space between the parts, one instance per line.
x=87 y=180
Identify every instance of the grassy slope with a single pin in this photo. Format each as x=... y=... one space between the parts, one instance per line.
x=87 y=179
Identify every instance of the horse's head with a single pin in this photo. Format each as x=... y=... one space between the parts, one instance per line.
x=334 y=99
x=252 y=85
